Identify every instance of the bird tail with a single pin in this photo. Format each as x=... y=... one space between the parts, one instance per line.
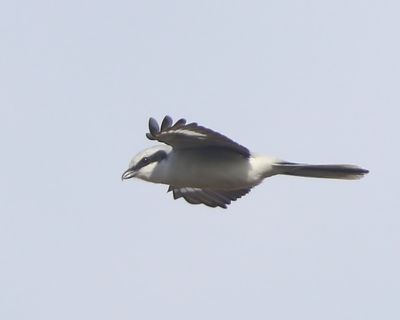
x=330 y=171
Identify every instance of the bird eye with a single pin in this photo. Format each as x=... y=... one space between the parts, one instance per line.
x=145 y=160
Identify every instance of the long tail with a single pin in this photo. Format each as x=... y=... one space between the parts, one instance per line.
x=330 y=171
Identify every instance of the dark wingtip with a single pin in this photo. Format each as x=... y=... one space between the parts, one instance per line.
x=166 y=123
x=180 y=122
x=153 y=126
x=150 y=137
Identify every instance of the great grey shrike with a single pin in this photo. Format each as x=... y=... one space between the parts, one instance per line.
x=204 y=166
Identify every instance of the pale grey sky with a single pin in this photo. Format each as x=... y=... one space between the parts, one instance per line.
x=312 y=81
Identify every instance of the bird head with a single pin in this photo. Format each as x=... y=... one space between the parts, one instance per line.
x=145 y=162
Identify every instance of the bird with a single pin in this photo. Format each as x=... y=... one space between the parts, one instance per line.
x=203 y=166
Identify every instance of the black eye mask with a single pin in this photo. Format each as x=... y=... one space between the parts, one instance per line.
x=156 y=157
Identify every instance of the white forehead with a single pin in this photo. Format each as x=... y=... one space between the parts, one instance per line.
x=148 y=152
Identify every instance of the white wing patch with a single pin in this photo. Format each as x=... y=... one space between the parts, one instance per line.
x=190 y=133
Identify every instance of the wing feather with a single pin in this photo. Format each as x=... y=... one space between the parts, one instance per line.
x=166 y=123
x=184 y=136
x=153 y=127
x=209 y=197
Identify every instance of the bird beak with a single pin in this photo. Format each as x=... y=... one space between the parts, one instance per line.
x=130 y=173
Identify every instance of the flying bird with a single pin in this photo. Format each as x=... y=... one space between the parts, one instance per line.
x=205 y=167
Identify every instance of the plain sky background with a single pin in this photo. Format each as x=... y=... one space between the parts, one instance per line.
x=310 y=81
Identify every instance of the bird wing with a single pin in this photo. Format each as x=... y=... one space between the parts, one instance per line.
x=183 y=136
x=209 y=197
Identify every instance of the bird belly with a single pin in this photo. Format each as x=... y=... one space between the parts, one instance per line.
x=222 y=170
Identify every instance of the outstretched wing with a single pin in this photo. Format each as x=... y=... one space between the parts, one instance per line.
x=182 y=136
x=209 y=197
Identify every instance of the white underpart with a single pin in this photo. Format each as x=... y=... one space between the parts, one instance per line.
x=197 y=170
